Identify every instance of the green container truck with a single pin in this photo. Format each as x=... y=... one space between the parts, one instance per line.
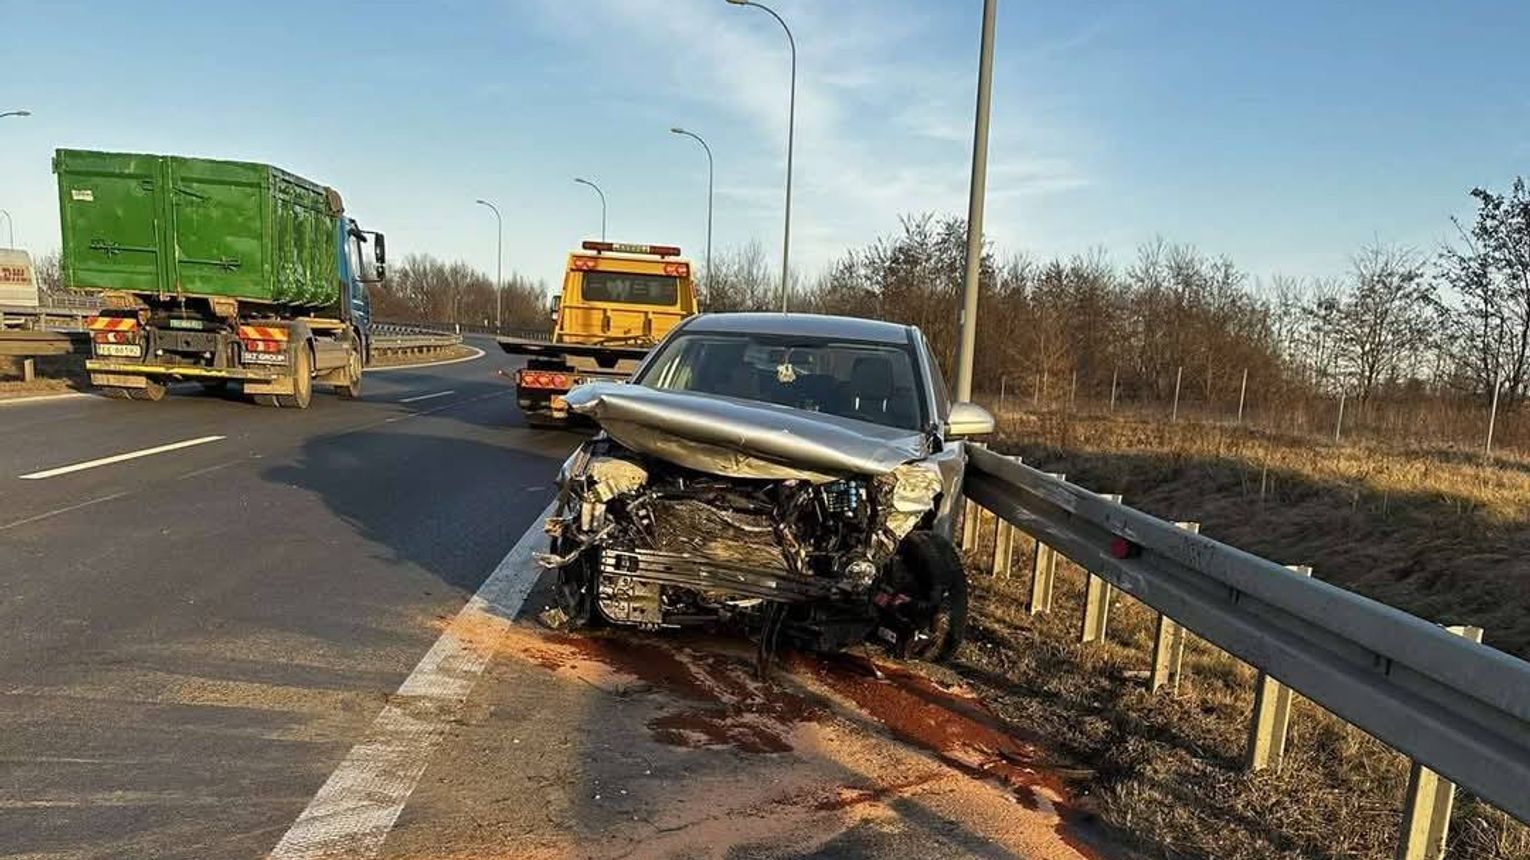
x=215 y=271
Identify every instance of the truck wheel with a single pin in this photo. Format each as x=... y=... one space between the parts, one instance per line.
x=351 y=388
x=152 y=391
x=940 y=585
x=302 y=382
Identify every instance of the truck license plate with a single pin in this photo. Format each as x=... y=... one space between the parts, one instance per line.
x=124 y=350
x=265 y=358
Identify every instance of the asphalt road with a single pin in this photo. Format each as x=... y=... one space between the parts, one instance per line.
x=190 y=641
x=228 y=631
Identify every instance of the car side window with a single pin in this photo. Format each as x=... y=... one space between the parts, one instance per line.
x=937 y=383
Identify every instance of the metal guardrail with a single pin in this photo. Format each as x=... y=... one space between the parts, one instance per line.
x=391 y=337
x=28 y=343
x=1456 y=707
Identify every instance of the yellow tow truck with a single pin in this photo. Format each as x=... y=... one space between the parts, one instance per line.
x=618 y=300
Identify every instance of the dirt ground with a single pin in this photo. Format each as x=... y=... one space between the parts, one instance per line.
x=629 y=745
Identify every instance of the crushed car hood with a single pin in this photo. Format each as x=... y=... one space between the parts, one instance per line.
x=741 y=438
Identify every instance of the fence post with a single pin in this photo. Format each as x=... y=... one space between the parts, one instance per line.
x=1097 y=597
x=1044 y=571
x=1179 y=376
x=1242 y=393
x=1169 y=644
x=1426 y=811
x=1271 y=721
x=1114 y=373
x=969 y=525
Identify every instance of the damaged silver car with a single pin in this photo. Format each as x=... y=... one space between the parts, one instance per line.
x=792 y=474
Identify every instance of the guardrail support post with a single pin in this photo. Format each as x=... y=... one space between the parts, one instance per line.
x=1003 y=549
x=1426 y=811
x=969 y=525
x=1044 y=571
x=1169 y=645
x=1097 y=598
x=1271 y=722
x=29 y=370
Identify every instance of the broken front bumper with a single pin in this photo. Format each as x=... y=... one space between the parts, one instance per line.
x=702 y=574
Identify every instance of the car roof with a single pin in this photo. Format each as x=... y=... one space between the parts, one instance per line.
x=807 y=325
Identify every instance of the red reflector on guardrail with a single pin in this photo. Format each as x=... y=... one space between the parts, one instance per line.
x=1120 y=547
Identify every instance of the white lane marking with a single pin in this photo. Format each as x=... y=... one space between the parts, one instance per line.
x=358 y=805
x=119 y=458
x=39 y=398
x=477 y=354
x=417 y=398
x=66 y=510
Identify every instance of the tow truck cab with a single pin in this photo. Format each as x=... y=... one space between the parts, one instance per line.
x=618 y=300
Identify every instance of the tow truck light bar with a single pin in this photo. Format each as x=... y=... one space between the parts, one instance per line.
x=624 y=248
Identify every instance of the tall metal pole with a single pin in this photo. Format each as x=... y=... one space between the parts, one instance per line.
x=499 y=264
x=10 y=228
x=791 y=134
x=975 y=206
x=602 y=204
x=697 y=138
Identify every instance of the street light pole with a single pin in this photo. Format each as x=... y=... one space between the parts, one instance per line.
x=15 y=113
x=791 y=133
x=975 y=206
x=710 y=174
x=499 y=262
x=602 y=204
x=10 y=228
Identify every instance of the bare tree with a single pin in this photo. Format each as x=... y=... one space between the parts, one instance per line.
x=1383 y=319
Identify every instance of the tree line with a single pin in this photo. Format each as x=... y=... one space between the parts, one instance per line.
x=1415 y=340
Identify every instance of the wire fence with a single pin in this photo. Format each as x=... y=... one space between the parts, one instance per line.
x=1416 y=417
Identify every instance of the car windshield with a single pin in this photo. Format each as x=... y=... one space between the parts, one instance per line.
x=873 y=382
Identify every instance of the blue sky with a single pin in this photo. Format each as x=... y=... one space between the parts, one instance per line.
x=1283 y=134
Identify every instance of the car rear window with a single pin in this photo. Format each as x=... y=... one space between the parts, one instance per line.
x=629 y=289
x=873 y=382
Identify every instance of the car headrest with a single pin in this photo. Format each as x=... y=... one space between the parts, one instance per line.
x=872 y=378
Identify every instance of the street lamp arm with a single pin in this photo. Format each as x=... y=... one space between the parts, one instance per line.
x=791 y=135
x=15 y=113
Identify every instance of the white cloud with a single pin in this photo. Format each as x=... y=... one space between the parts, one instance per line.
x=884 y=113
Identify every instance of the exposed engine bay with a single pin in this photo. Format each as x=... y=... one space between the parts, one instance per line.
x=796 y=556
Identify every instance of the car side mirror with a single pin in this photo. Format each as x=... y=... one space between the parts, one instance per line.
x=969 y=419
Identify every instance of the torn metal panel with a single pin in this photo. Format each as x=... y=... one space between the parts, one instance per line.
x=744 y=439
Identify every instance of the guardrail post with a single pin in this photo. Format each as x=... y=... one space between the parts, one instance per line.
x=1044 y=571
x=29 y=370
x=1426 y=811
x=1003 y=549
x=1097 y=597
x=969 y=525
x=1169 y=644
x=1271 y=721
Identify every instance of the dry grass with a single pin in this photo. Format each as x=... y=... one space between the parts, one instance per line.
x=1438 y=532
x=55 y=374
x=393 y=359
x=1166 y=771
